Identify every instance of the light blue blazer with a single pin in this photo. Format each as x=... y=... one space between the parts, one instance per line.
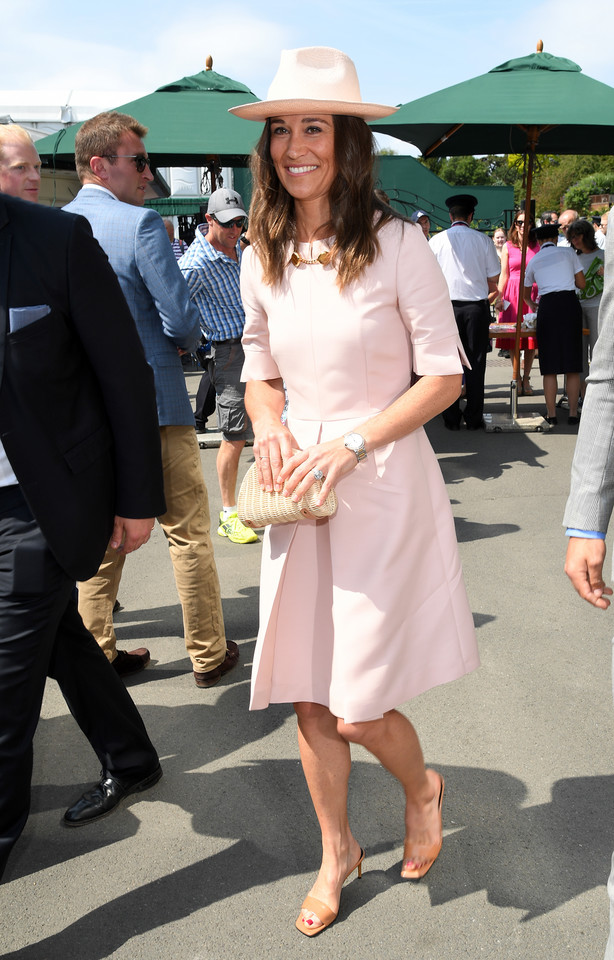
x=137 y=245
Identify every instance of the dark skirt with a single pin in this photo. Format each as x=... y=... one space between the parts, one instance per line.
x=559 y=333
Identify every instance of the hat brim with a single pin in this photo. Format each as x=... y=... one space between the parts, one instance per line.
x=264 y=109
x=229 y=215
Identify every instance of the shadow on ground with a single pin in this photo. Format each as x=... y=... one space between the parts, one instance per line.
x=531 y=858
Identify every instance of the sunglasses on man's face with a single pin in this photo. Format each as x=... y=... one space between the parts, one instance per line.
x=140 y=160
x=239 y=223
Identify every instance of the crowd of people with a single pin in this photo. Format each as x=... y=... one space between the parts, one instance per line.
x=461 y=262
x=115 y=305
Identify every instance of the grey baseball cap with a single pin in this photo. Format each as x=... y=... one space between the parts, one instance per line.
x=226 y=205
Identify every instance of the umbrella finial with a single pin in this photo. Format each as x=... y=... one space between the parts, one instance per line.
x=209 y=63
x=540 y=46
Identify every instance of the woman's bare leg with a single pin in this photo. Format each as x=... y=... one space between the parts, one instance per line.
x=529 y=356
x=573 y=392
x=324 y=743
x=394 y=742
x=550 y=389
x=325 y=756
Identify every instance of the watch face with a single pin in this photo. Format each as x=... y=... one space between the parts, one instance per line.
x=353 y=441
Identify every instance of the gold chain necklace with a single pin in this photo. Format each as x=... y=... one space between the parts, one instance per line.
x=324 y=259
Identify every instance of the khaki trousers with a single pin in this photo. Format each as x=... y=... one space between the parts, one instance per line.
x=186 y=525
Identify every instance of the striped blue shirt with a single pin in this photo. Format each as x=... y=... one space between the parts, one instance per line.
x=213 y=279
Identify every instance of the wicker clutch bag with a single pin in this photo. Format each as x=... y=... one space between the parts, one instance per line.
x=257 y=508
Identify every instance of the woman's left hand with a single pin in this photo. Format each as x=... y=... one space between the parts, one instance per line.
x=331 y=458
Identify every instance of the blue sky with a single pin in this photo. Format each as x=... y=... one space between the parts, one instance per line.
x=403 y=49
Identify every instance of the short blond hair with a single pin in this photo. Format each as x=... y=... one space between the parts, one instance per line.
x=100 y=135
x=13 y=133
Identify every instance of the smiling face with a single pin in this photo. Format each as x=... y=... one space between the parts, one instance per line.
x=20 y=170
x=519 y=223
x=499 y=238
x=303 y=153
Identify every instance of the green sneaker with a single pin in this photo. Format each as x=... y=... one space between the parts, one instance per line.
x=235 y=530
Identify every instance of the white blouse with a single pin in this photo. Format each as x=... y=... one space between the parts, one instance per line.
x=553 y=269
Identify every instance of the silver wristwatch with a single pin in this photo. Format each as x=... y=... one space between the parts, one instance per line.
x=355 y=443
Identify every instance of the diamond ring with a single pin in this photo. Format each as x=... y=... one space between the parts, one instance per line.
x=318 y=474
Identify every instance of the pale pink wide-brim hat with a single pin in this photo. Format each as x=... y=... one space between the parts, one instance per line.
x=319 y=79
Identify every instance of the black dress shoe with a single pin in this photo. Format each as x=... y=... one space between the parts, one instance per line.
x=450 y=425
x=105 y=797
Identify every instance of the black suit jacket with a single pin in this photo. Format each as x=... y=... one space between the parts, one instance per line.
x=78 y=417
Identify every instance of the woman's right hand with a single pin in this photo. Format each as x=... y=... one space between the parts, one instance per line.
x=273 y=443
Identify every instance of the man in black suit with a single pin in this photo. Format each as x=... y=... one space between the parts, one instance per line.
x=79 y=466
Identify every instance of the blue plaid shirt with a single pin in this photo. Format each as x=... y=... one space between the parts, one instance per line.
x=213 y=280
x=179 y=248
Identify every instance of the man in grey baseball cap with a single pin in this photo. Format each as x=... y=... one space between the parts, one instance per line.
x=211 y=267
x=225 y=205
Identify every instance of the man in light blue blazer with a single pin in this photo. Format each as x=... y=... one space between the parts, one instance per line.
x=113 y=166
x=591 y=498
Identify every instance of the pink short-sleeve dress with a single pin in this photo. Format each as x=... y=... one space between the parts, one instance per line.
x=367 y=609
x=510 y=314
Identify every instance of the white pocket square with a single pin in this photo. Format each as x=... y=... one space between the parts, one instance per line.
x=20 y=317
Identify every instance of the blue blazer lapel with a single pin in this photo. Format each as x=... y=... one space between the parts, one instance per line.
x=5 y=250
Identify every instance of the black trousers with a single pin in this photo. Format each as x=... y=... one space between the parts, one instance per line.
x=42 y=634
x=473 y=321
x=205 y=396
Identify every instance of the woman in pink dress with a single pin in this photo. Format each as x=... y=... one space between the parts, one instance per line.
x=509 y=282
x=344 y=302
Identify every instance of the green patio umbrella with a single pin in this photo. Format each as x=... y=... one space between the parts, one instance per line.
x=188 y=121
x=535 y=104
x=540 y=100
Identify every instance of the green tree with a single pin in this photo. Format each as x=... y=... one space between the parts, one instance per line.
x=555 y=175
x=578 y=196
x=459 y=170
x=493 y=170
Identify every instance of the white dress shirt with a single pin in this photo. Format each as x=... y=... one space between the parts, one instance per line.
x=7 y=477
x=553 y=269
x=468 y=260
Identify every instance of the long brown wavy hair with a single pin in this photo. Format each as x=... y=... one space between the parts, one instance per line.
x=356 y=213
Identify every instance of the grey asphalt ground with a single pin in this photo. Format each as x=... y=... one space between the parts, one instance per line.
x=213 y=863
